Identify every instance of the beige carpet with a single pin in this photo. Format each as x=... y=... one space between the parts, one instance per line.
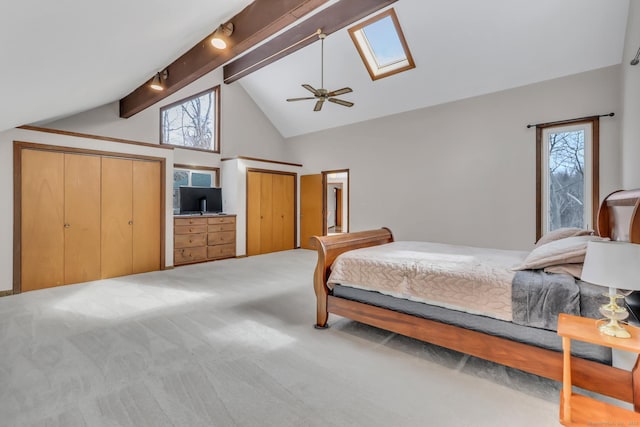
x=231 y=343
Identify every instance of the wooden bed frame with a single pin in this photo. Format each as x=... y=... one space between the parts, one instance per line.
x=618 y=218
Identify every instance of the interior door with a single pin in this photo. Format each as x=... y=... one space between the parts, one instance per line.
x=42 y=219
x=117 y=219
x=338 y=209
x=146 y=216
x=266 y=213
x=311 y=208
x=81 y=218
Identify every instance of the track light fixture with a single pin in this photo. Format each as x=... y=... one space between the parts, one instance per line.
x=636 y=60
x=158 y=79
x=220 y=38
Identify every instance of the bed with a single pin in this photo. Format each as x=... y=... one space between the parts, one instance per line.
x=493 y=335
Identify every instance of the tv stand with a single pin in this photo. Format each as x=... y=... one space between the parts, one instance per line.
x=203 y=237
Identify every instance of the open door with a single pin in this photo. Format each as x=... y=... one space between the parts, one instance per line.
x=311 y=208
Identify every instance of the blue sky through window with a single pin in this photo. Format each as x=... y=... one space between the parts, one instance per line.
x=384 y=42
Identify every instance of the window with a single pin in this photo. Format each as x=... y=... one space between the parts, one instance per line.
x=193 y=122
x=568 y=192
x=382 y=46
x=193 y=176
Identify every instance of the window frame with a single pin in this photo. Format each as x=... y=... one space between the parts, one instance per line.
x=593 y=157
x=215 y=182
x=364 y=55
x=216 y=118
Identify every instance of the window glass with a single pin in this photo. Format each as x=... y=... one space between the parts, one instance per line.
x=192 y=122
x=381 y=45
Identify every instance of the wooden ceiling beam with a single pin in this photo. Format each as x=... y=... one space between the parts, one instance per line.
x=259 y=20
x=330 y=20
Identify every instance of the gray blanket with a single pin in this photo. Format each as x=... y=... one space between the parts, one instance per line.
x=538 y=298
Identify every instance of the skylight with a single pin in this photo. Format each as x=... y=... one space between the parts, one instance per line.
x=382 y=45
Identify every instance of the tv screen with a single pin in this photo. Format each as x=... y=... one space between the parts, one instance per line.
x=200 y=200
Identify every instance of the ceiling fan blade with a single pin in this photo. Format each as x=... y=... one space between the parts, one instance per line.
x=311 y=89
x=341 y=102
x=340 y=91
x=318 y=106
x=301 y=99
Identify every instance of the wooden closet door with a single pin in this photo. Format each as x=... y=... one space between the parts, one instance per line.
x=254 y=224
x=266 y=213
x=42 y=219
x=146 y=216
x=117 y=219
x=283 y=233
x=81 y=218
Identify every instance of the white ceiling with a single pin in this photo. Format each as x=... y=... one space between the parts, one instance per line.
x=58 y=58
x=62 y=57
x=462 y=48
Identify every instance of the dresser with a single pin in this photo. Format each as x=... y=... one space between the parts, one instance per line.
x=203 y=238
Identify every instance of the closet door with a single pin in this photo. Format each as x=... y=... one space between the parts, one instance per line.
x=266 y=213
x=146 y=216
x=253 y=212
x=42 y=219
x=117 y=220
x=283 y=212
x=81 y=218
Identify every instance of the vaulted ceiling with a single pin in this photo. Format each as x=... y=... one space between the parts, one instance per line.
x=61 y=58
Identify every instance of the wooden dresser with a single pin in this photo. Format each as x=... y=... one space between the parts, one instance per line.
x=203 y=238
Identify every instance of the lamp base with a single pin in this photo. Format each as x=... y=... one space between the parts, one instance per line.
x=613 y=329
x=613 y=313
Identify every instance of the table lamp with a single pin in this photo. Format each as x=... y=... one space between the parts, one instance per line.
x=617 y=266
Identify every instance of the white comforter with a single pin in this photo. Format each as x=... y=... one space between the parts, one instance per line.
x=474 y=280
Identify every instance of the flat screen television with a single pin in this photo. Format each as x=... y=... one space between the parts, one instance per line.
x=200 y=200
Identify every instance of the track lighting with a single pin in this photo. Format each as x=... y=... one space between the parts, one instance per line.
x=158 y=79
x=220 y=38
x=636 y=60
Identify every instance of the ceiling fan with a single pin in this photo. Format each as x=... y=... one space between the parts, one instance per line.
x=322 y=94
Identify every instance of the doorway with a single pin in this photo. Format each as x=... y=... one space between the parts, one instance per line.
x=336 y=201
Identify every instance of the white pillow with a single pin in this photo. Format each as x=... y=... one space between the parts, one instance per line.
x=562 y=233
x=570 y=250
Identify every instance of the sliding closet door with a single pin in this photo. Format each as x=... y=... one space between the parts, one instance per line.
x=270 y=212
x=254 y=223
x=117 y=220
x=146 y=216
x=81 y=218
x=42 y=220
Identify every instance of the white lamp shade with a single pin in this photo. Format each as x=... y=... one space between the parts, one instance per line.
x=612 y=264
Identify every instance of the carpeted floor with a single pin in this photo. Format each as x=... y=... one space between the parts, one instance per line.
x=231 y=343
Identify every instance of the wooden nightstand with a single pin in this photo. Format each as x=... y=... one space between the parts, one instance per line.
x=579 y=410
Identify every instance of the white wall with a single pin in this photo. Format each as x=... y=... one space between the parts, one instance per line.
x=234 y=194
x=6 y=186
x=244 y=129
x=463 y=172
x=631 y=101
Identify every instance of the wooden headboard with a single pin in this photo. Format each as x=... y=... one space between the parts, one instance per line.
x=619 y=216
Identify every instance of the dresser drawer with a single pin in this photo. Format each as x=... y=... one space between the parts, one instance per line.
x=189 y=221
x=213 y=228
x=222 y=220
x=189 y=240
x=221 y=251
x=221 y=238
x=190 y=229
x=180 y=256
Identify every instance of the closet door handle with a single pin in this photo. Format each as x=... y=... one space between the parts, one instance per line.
x=130 y=222
x=67 y=225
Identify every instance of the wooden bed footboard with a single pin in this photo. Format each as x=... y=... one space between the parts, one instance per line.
x=329 y=247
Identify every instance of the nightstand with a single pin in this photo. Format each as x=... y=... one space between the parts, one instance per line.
x=579 y=410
